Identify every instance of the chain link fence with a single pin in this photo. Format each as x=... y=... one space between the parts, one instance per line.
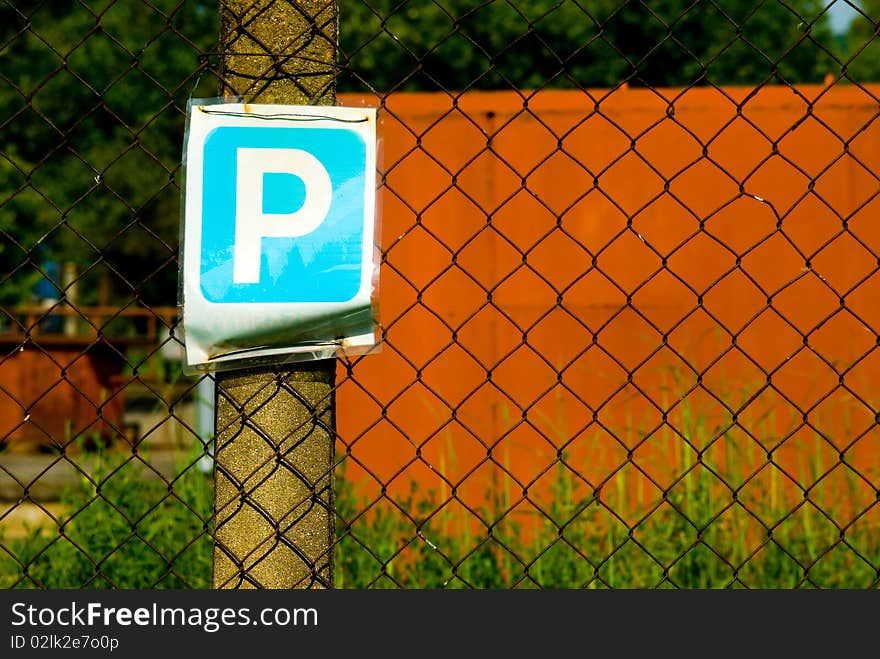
x=627 y=297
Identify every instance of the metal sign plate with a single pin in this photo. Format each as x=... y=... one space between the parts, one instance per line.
x=278 y=250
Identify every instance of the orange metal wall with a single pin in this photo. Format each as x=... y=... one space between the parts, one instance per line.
x=602 y=275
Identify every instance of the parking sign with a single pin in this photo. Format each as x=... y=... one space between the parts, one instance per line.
x=279 y=223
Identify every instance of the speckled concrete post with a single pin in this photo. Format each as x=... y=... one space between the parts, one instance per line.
x=273 y=492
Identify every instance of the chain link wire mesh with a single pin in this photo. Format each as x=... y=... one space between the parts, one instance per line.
x=628 y=297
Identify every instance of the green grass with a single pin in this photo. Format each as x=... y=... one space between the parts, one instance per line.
x=691 y=539
x=725 y=517
x=121 y=530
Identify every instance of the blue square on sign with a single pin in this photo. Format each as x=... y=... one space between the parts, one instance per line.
x=282 y=214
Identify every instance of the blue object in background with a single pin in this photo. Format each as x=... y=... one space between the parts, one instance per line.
x=47 y=290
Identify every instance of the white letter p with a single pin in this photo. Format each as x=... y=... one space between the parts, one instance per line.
x=252 y=224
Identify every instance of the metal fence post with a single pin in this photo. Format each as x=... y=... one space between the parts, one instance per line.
x=274 y=427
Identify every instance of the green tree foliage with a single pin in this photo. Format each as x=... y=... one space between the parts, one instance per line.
x=93 y=96
x=463 y=44
x=862 y=45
